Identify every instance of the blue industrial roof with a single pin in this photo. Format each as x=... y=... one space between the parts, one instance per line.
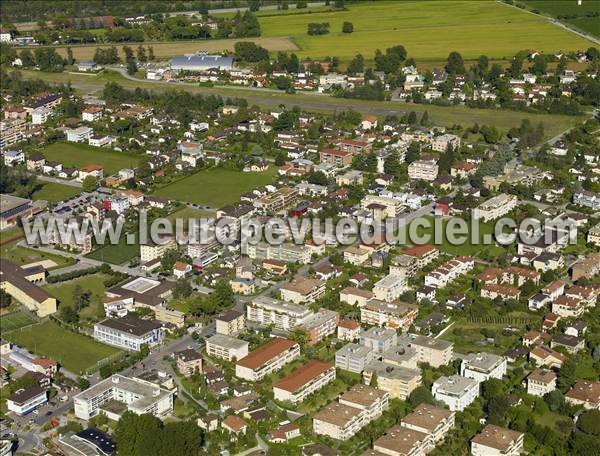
x=201 y=61
x=99 y=439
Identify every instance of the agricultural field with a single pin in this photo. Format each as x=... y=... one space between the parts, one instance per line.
x=216 y=187
x=117 y=253
x=556 y=8
x=166 y=50
x=77 y=155
x=75 y=352
x=53 y=192
x=93 y=284
x=428 y=30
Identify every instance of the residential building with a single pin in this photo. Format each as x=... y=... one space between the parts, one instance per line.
x=340 y=158
x=304 y=381
x=426 y=170
x=393 y=315
x=541 y=382
x=13 y=157
x=497 y=441
x=320 y=325
x=348 y=330
x=118 y=394
x=434 y=421
x=25 y=401
x=392 y=207
x=545 y=356
x=593 y=235
x=390 y=288
x=283 y=315
x=398 y=381
x=266 y=359
x=12 y=131
x=355 y=296
x=495 y=207
x=302 y=290
x=441 y=143
x=435 y=352
x=483 y=366
x=401 y=441
x=92 y=114
x=278 y=200
x=456 y=392
x=129 y=332
x=353 y=357
x=79 y=134
x=584 y=393
x=378 y=339
x=230 y=322
x=13 y=209
x=39 y=116
x=226 y=347
x=587 y=199
x=588 y=267
x=152 y=250
x=449 y=271
x=188 y=362
x=93 y=170
x=286 y=252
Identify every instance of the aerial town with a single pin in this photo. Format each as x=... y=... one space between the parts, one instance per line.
x=217 y=116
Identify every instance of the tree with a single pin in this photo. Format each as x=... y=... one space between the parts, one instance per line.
x=455 y=64
x=566 y=376
x=5 y=299
x=555 y=400
x=392 y=165
x=203 y=8
x=83 y=383
x=68 y=314
x=150 y=53
x=131 y=67
x=425 y=119
x=347 y=27
x=356 y=65
x=412 y=118
x=70 y=59
x=183 y=289
x=27 y=58
x=141 y=54
x=420 y=395
x=89 y=184
x=589 y=422
x=254 y=5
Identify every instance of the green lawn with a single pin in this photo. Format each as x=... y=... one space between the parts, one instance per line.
x=556 y=8
x=77 y=155
x=117 y=253
x=188 y=213
x=93 y=284
x=22 y=255
x=14 y=321
x=53 y=192
x=216 y=187
x=429 y=30
x=73 y=351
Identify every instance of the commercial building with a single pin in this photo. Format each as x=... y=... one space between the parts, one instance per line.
x=304 y=381
x=226 y=347
x=456 y=392
x=435 y=352
x=283 y=315
x=118 y=394
x=355 y=409
x=230 y=323
x=13 y=209
x=266 y=359
x=21 y=284
x=497 y=441
x=201 y=62
x=25 y=401
x=483 y=366
x=495 y=207
x=129 y=332
x=302 y=290
x=353 y=357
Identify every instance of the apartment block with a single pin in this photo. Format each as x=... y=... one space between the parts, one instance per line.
x=435 y=352
x=431 y=420
x=266 y=359
x=390 y=288
x=353 y=357
x=286 y=252
x=230 y=323
x=302 y=290
x=391 y=206
x=456 y=392
x=320 y=325
x=449 y=271
x=483 y=366
x=378 y=339
x=278 y=200
x=391 y=315
x=541 y=382
x=283 y=315
x=401 y=441
x=152 y=250
x=129 y=332
x=188 y=362
x=497 y=441
x=226 y=347
x=426 y=170
x=304 y=381
x=398 y=381
x=495 y=207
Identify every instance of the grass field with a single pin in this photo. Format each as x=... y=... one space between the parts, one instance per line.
x=440 y=115
x=22 y=255
x=77 y=155
x=166 y=50
x=428 y=30
x=93 y=284
x=117 y=253
x=556 y=8
x=14 y=321
x=53 y=192
x=216 y=187
x=73 y=351
x=188 y=213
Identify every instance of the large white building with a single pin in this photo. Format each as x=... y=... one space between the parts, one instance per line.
x=117 y=394
x=353 y=357
x=426 y=170
x=269 y=311
x=266 y=359
x=302 y=290
x=495 y=207
x=79 y=134
x=435 y=352
x=129 y=332
x=226 y=347
x=497 y=441
x=456 y=392
x=390 y=288
x=483 y=366
x=24 y=401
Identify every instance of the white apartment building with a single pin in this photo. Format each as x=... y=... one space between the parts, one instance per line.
x=447 y=272
x=266 y=359
x=129 y=332
x=426 y=170
x=456 y=392
x=435 y=352
x=495 y=207
x=39 y=116
x=398 y=381
x=226 y=347
x=304 y=381
x=390 y=288
x=137 y=395
x=287 y=252
x=497 y=441
x=230 y=323
x=283 y=315
x=483 y=366
x=391 y=315
x=392 y=206
x=353 y=357
x=79 y=134
x=440 y=143
x=302 y=290
x=355 y=296
x=355 y=409
x=541 y=382
x=378 y=339
x=152 y=250
x=401 y=441
x=431 y=420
